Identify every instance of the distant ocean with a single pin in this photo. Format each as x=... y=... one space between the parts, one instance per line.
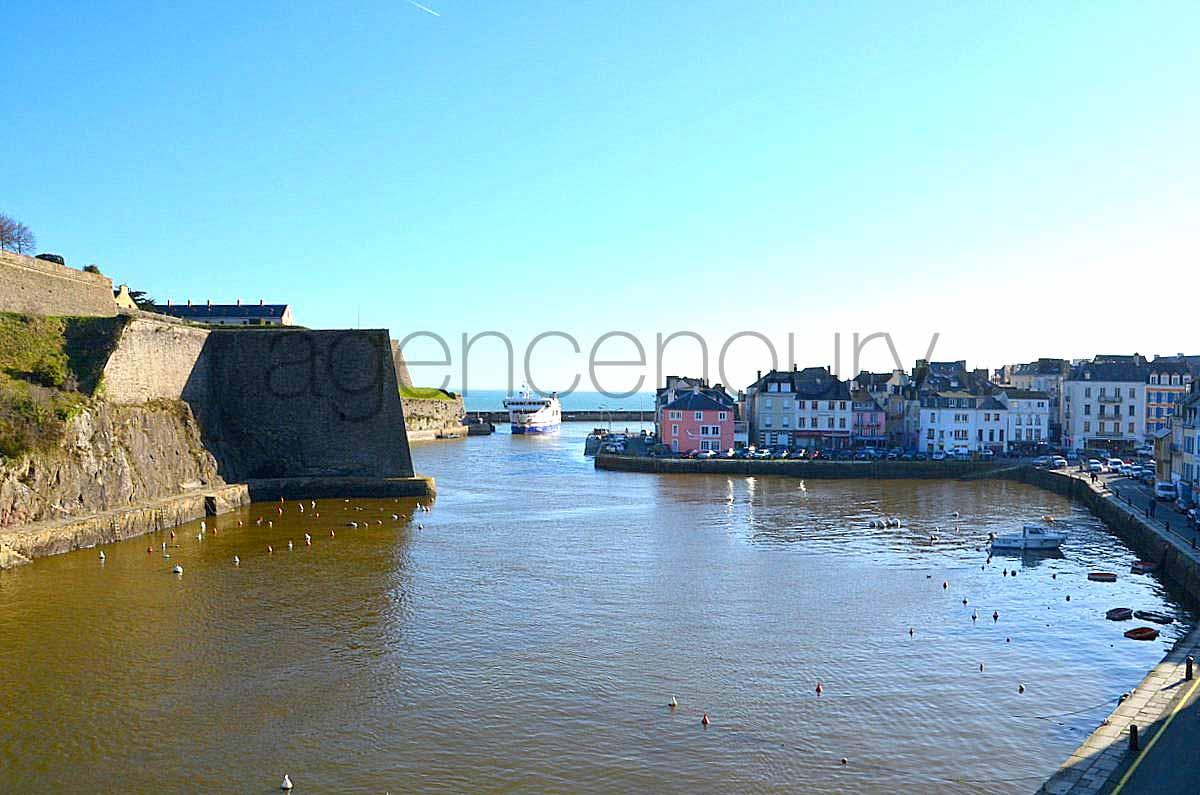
x=493 y=400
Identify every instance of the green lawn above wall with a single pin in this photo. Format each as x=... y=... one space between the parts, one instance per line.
x=424 y=393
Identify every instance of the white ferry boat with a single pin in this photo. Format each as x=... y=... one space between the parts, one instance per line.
x=531 y=413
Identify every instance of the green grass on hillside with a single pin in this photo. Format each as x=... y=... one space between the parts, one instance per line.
x=424 y=393
x=49 y=368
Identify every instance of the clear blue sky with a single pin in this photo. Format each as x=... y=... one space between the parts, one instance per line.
x=1023 y=179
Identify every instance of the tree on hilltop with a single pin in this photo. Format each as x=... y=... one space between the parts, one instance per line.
x=15 y=236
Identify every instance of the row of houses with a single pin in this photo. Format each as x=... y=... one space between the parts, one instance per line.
x=1119 y=403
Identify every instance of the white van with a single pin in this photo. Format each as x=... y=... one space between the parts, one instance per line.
x=1165 y=491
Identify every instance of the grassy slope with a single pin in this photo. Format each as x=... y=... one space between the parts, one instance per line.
x=49 y=368
x=423 y=393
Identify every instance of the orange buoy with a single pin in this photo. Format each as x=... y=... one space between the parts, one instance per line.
x=704 y=720
x=820 y=689
x=149 y=550
x=331 y=534
x=172 y=534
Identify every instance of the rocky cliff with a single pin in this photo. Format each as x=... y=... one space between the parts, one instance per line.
x=110 y=457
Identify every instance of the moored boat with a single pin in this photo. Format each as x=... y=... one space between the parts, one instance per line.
x=1032 y=537
x=1102 y=576
x=1119 y=614
x=1142 y=633
x=1151 y=615
x=1143 y=567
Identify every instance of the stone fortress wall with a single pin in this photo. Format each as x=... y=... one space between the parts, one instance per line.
x=272 y=403
x=33 y=286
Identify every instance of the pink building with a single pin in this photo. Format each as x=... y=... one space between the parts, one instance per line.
x=869 y=420
x=695 y=421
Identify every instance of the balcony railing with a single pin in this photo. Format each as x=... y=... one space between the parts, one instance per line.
x=1109 y=399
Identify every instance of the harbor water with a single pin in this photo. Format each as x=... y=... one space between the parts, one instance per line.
x=527 y=633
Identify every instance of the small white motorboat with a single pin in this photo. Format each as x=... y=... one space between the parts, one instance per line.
x=1031 y=537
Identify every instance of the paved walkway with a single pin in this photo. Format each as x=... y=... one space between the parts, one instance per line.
x=1165 y=706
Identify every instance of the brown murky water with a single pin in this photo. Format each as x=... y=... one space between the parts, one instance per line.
x=529 y=635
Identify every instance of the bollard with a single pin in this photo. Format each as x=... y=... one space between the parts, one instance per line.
x=1188 y=670
x=1133 y=737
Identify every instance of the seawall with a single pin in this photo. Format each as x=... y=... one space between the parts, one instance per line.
x=433 y=419
x=31 y=286
x=817 y=470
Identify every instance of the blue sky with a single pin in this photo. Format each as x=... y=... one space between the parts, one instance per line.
x=1021 y=179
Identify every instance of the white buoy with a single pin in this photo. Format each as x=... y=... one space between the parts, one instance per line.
x=289 y=545
x=286 y=784
x=673 y=703
x=237 y=561
x=203 y=526
x=177 y=570
x=102 y=556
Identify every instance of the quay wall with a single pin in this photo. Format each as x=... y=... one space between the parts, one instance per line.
x=816 y=470
x=32 y=286
x=601 y=417
x=20 y=545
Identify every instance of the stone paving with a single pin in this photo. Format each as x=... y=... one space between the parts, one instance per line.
x=1092 y=765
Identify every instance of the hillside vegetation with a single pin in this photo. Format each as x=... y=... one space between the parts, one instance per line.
x=49 y=368
x=424 y=393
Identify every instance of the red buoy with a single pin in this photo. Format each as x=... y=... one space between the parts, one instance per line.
x=704 y=720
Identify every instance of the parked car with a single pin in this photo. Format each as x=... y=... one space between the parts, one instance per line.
x=921 y=457
x=939 y=455
x=1094 y=465
x=1058 y=462
x=1165 y=491
x=1041 y=461
x=988 y=453
x=1113 y=464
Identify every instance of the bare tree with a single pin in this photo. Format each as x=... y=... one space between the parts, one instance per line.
x=15 y=236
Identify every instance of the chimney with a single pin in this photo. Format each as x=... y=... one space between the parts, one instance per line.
x=795 y=367
x=759 y=377
x=260 y=302
x=168 y=302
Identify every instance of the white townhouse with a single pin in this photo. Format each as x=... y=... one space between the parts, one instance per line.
x=1028 y=417
x=1104 y=404
x=960 y=421
x=807 y=408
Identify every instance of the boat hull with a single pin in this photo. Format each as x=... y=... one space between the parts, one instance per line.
x=532 y=429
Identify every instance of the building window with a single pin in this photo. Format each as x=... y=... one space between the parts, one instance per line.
x=674 y=430
x=800 y=422
x=722 y=415
x=1087 y=427
x=831 y=422
x=1131 y=414
x=1131 y=427
x=676 y=415
x=841 y=422
x=699 y=415
x=1087 y=408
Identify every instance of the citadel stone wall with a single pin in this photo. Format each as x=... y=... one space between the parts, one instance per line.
x=32 y=286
